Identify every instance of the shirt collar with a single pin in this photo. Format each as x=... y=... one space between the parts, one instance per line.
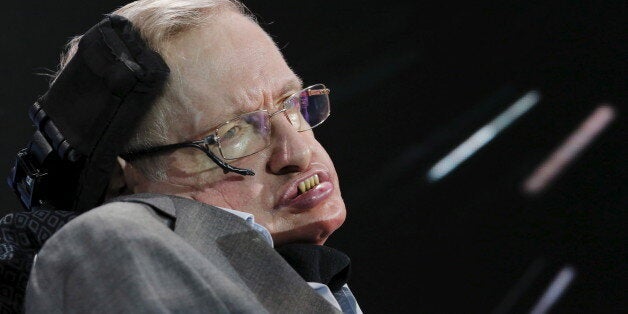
x=250 y=220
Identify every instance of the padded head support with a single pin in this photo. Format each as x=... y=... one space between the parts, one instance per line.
x=89 y=114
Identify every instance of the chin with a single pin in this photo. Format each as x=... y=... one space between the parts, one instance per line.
x=313 y=233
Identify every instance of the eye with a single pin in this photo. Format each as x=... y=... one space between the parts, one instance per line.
x=230 y=134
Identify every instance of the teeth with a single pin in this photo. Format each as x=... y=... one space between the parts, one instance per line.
x=308 y=183
x=302 y=187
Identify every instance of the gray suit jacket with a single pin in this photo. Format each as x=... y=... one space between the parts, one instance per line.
x=163 y=254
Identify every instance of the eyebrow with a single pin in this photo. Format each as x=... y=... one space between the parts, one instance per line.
x=291 y=86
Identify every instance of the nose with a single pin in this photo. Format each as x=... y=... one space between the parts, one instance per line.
x=291 y=152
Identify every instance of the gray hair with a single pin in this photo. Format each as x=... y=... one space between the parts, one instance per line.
x=158 y=21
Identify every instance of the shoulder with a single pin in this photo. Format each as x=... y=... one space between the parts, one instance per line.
x=114 y=218
x=108 y=228
x=118 y=251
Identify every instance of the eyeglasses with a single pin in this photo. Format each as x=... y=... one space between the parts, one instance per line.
x=250 y=133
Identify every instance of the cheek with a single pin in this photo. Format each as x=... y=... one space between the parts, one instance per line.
x=242 y=196
x=189 y=162
x=193 y=169
x=233 y=192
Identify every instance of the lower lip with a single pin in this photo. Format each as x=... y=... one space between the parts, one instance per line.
x=312 y=197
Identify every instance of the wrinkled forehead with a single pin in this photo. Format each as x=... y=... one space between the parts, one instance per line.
x=226 y=67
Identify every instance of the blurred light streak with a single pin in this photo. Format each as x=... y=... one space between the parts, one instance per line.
x=555 y=290
x=482 y=136
x=521 y=287
x=567 y=152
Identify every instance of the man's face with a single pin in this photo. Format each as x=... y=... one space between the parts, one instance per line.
x=224 y=69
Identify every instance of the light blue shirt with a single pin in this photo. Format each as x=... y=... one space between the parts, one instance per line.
x=343 y=299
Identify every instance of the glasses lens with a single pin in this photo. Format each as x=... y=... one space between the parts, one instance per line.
x=246 y=135
x=309 y=108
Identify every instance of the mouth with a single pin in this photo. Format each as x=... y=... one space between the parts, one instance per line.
x=306 y=191
x=308 y=184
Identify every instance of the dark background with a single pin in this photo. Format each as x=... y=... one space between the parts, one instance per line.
x=410 y=81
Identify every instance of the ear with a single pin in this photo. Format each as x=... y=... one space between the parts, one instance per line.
x=123 y=179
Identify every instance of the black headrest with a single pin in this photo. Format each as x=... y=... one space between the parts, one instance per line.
x=90 y=112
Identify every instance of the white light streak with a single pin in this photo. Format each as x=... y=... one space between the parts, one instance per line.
x=555 y=290
x=482 y=136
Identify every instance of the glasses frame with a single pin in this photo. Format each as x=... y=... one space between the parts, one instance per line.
x=213 y=139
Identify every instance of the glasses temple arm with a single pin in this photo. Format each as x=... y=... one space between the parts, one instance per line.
x=153 y=150
x=158 y=149
x=225 y=166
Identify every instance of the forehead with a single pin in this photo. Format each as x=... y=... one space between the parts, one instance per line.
x=226 y=67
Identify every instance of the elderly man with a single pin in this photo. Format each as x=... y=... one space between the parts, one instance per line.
x=223 y=167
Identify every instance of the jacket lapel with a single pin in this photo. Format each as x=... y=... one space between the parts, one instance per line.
x=216 y=233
